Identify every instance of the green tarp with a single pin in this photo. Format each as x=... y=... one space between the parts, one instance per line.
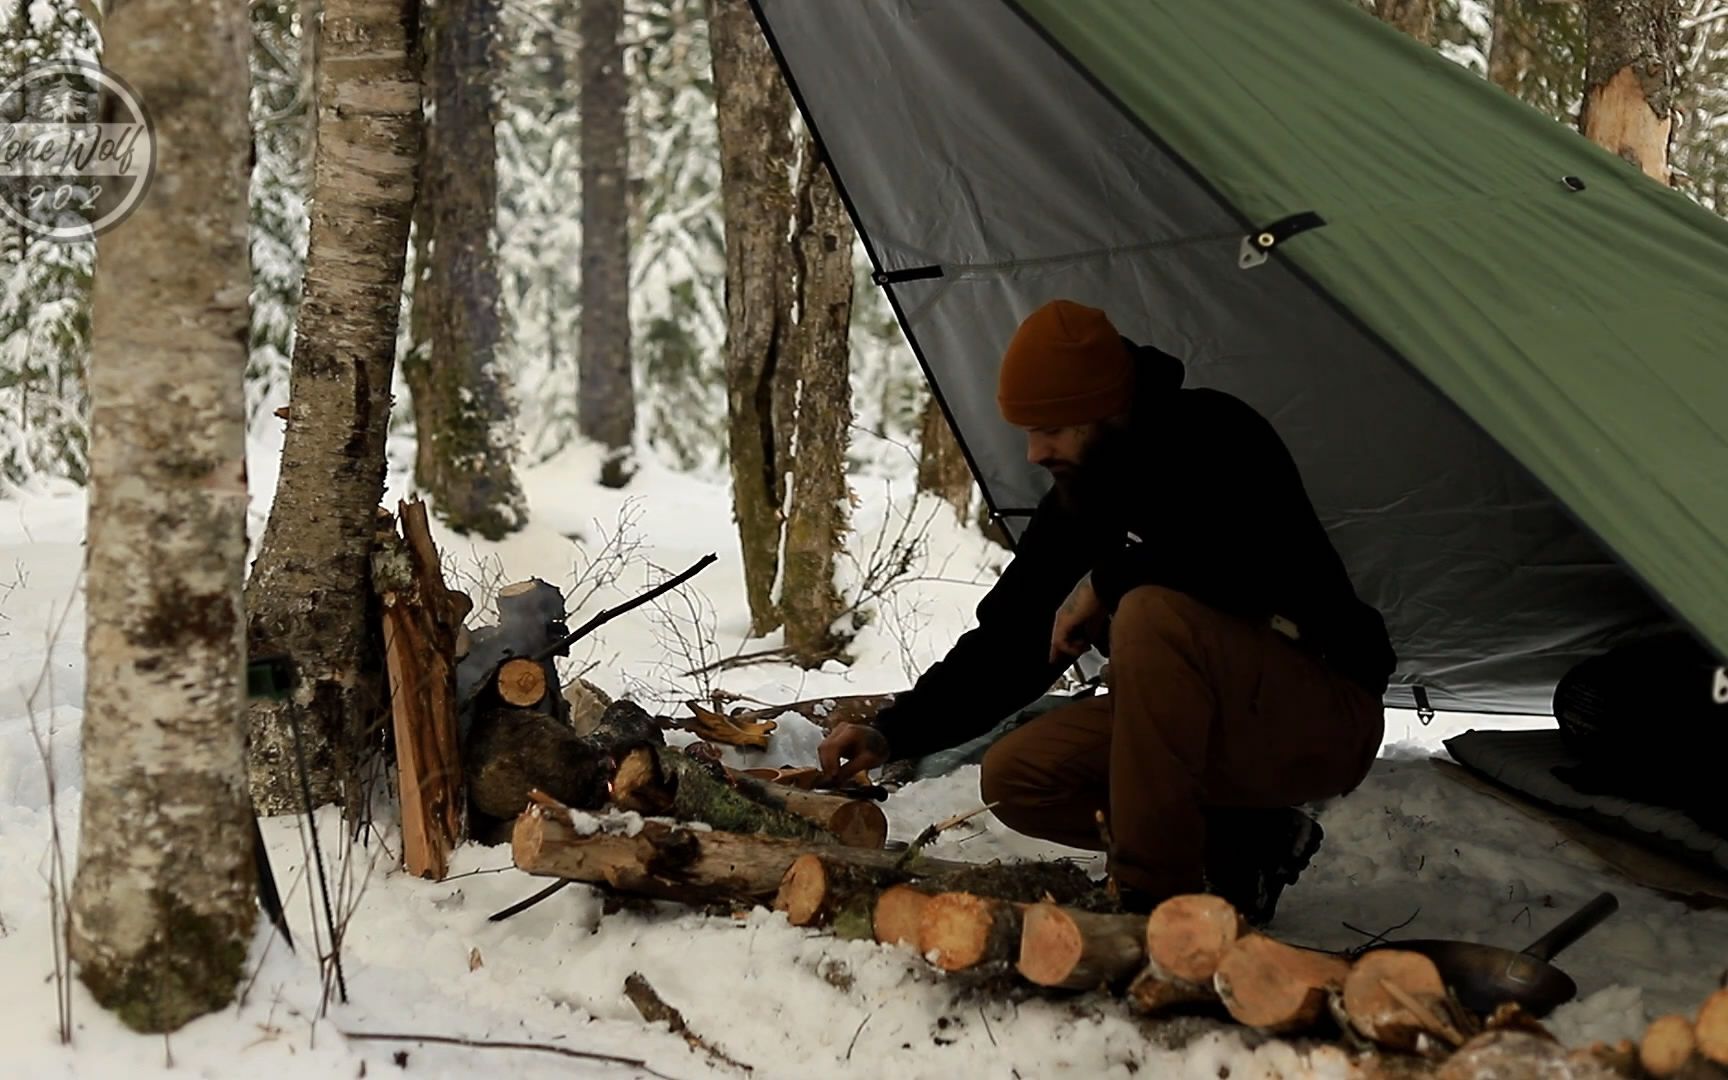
x=1497 y=352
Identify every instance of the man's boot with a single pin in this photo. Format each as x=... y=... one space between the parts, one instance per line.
x=1252 y=854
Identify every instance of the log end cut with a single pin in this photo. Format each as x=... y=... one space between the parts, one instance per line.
x=803 y=891
x=1712 y=1028
x=860 y=824
x=899 y=914
x=1394 y=997
x=1050 y=945
x=1667 y=1045
x=1275 y=987
x=1186 y=936
x=963 y=931
x=522 y=682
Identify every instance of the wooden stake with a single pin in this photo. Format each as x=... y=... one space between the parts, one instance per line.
x=522 y=682
x=961 y=931
x=1275 y=987
x=1078 y=950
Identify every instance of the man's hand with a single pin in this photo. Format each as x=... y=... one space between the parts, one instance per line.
x=1078 y=623
x=850 y=749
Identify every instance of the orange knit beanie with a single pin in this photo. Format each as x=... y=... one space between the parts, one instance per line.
x=1067 y=365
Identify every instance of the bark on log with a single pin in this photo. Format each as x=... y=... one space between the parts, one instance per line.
x=1393 y=998
x=1153 y=994
x=1667 y=1044
x=1079 y=950
x=857 y=822
x=965 y=932
x=511 y=752
x=899 y=913
x=672 y=862
x=521 y=682
x=421 y=617
x=661 y=781
x=1275 y=987
x=1712 y=1028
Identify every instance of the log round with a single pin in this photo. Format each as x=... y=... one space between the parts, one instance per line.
x=1667 y=1044
x=1380 y=990
x=899 y=914
x=961 y=931
x=1275 y=987
x=522 y=682
x=1187 y=935
x=1712 y=1028
x=1079 y=950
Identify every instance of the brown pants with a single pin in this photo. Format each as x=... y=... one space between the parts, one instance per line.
x=1205 y=709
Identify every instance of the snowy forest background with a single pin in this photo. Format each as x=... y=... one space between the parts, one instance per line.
x=1533 y=48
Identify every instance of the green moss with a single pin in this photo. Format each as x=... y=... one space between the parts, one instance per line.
x=191 y=967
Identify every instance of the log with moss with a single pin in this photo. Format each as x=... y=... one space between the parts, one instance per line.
x=666 y=782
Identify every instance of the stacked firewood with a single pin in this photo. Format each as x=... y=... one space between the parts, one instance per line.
x=1048 y=927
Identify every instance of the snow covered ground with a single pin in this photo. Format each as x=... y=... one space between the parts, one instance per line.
x=421 y=958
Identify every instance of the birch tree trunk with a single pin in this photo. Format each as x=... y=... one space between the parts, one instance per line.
x=756 y=160
x=463 y=417
x=817 y=517
x=942 y=468
x=1631 y=80
x=1414 y=17
x=310 y=592
x=606 y=402
x=162 y=906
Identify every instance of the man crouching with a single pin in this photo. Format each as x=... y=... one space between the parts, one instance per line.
x=1245 y=674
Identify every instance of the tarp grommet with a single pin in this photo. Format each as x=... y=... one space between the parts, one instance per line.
x=1256 y=244
x=1424 y=710
x=1572 y=183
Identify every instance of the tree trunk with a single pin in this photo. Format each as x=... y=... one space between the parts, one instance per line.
x=755 y=125
x=462 y=414
x=606 y=405
x=162 y=907
x=942 y=468
x=1508 y=50
x=1414 y=17
x=817 y=522
x=1630 y=83
x=310 y=593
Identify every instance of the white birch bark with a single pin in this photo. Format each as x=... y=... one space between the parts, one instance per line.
x=162 y=906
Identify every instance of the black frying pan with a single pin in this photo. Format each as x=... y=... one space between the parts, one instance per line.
x=1484 y=977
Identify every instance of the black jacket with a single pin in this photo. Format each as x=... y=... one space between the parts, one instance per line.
x=1200 y=496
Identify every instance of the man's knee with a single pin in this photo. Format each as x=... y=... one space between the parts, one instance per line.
x=1153 y=613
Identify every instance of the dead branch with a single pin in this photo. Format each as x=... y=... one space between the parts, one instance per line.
x=654 y=1009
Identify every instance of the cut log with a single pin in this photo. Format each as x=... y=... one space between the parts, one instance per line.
x=1187 y=935
x=1712 y=1028
x=662 y=781
x=1667 y=1045
x=1393 y=998
x=1079 y=950
x=827 y=892
x=964 y=932
x=421 y=620
x=522 y=682
x=1275 y=987
x=857 y=822
x=623 y=726
x=899 y=913
x=672 y=862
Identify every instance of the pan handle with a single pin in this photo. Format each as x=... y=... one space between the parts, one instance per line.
x=1576 y=925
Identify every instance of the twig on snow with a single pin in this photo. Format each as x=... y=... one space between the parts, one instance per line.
x=485 y=1044
x=1373 y=938
x=933 y=831
x=654 y=1008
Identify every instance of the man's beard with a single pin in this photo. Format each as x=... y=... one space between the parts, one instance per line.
x=1083 y=485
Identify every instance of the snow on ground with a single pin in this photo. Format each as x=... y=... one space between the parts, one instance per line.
x=421 y=958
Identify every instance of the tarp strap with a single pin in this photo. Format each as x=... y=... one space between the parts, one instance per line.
x=1257 y=243
x=1424 y=711
x=885 y=278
